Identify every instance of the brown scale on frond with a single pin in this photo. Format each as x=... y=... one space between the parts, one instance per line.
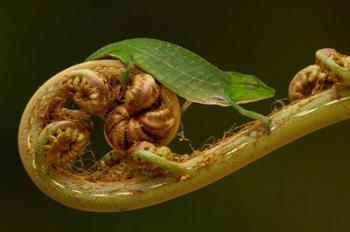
x=47 y=109
x=88 y=91
x=78 y=116
x=142 y=93
x=310 y=81
x=111 y=78
x=157 y=121
x=65 y=143
x=340 y=59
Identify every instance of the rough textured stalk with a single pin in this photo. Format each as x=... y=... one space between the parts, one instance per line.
x=230 y=154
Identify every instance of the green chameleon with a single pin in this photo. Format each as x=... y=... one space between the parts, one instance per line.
x=187 y=74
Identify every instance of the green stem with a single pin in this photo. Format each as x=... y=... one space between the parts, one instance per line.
x=156 y=159
x=326 y=57
x=229 y=155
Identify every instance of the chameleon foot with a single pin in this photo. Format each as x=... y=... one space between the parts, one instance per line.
x=251 y=114
x=267 y=123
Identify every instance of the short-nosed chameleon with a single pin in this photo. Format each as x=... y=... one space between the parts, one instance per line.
x=187 y=74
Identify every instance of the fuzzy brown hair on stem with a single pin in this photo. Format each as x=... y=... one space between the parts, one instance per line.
x=141 y=119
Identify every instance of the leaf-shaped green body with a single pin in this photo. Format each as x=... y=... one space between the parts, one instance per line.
x=184 y=72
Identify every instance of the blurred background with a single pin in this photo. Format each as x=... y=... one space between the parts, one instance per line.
x=300 y=187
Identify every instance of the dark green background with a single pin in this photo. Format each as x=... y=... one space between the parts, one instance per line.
x=301 y=187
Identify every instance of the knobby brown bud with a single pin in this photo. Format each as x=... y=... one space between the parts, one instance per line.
x=150 y=113
x=310 y=81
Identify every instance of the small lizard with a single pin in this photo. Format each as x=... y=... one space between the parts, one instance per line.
x=187 y=74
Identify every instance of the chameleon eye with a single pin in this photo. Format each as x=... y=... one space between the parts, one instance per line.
x=251 y=86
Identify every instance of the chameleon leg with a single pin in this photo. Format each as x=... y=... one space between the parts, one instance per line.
x=185 y=106
x=126 y=74
x=252 y=114
x=161 y=161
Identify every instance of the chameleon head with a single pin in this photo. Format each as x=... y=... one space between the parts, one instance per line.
x=244 y=88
